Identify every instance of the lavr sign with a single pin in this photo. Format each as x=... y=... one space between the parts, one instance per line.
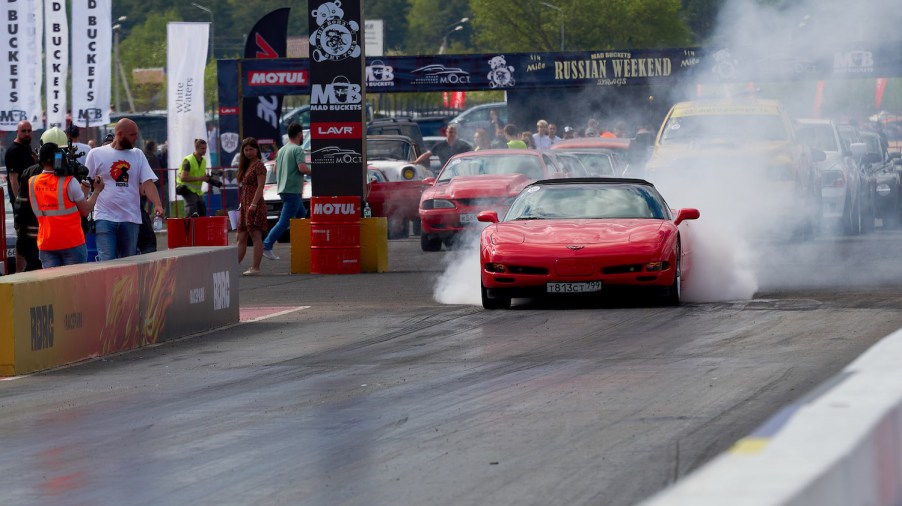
x=345 y=130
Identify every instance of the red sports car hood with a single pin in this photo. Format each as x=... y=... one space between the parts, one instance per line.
x=579 y=231
x=468 y=187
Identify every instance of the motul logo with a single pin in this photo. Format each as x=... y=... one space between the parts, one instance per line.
x=343 y=209
x=346 y=130
x=269 y=78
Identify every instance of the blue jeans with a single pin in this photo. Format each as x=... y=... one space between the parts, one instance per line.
x=292 y=207
x=115 y=239
x=68 y=256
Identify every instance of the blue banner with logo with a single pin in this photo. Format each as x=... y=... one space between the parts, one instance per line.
x=613 y=68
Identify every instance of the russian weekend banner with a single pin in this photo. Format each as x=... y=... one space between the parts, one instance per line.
x=56 y=61
x=19 y=50
x=261 y=114
x=92 y=36
x=186 y=56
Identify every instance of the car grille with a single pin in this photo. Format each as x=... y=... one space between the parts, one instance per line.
x=481 y=202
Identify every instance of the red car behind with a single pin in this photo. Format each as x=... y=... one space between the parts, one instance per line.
x=477 y=181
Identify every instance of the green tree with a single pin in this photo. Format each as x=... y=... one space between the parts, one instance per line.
x=428 y=21
x=508 y=25
x=144 y=46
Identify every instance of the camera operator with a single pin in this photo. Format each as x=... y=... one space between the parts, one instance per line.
x=59 y=201
x=191 y=177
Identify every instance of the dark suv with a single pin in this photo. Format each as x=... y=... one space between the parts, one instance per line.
x=396 y=126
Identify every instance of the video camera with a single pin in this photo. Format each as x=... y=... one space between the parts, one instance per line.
x=65 y=163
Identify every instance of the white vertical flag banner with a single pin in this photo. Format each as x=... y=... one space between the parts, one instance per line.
x=19 y=58
x=186 y=57
x=56 y=61
x=92 y=45
x=38 y=14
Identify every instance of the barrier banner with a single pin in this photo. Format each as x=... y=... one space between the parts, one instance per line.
x=56 y=61
x=260 y=114
x=59 y=316
x=19 y=49
x=92 y=47
x=186 y=58
x=337 y=98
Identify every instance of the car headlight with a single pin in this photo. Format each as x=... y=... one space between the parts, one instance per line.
x=883 y=189
x=833 y=179
x=408 y=173
x=438 y=204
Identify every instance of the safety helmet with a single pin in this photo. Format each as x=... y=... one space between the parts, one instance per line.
x=54 y=135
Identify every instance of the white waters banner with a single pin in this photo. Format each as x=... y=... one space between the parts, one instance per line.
x=19 y=50
x=92 y=36
x=186 y=58
x=56 y=61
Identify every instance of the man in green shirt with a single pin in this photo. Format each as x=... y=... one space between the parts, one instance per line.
x=291 y=165
x=513 y=140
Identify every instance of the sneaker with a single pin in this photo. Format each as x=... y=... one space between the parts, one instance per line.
x=269 y=254
x=251 y=272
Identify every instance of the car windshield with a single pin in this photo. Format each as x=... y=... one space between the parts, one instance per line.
x=528 y=165
x=731 y=127
x=596 y=201
x=385 y=149
x=597 y=164
x=818 y=137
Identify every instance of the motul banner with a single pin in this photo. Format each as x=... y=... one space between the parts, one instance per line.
x=19 y=50
x=261 y=113
x=337 y=96
x=186 y=57
x=56 y=61
x=92 y=36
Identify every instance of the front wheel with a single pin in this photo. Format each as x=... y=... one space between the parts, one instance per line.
x=494 y=302
x=430 y=244
x=674 y=293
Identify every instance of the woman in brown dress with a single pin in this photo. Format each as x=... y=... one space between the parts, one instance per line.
x=252 y=211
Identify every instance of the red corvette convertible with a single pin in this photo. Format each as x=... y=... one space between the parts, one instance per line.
x=578 y=236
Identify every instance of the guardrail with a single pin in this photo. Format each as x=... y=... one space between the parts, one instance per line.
x=840 y=445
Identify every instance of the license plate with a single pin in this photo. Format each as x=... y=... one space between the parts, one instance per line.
x=467 y=218
x=590 y=286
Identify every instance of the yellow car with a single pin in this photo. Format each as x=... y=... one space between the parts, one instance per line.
x=743 y=158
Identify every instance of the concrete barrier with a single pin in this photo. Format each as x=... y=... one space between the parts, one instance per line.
x=58 y=316
x=840 y=445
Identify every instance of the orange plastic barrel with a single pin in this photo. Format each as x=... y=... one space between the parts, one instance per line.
x=335 y=235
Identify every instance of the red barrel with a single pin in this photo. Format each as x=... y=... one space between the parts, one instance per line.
x=206 y=231
x=335 y=235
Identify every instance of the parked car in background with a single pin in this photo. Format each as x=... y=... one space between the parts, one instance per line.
x=479 y=116
x=432 y=126
x=477 y=181
x=398 y=196
x=396 y=126
x=603 y=157
x=584 y=236
x=843 y=187
x=883 y=170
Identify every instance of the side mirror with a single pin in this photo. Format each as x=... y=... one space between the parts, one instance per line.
x=686 y=214
x=487 y=216
x=429 y=181
x=818 y=155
